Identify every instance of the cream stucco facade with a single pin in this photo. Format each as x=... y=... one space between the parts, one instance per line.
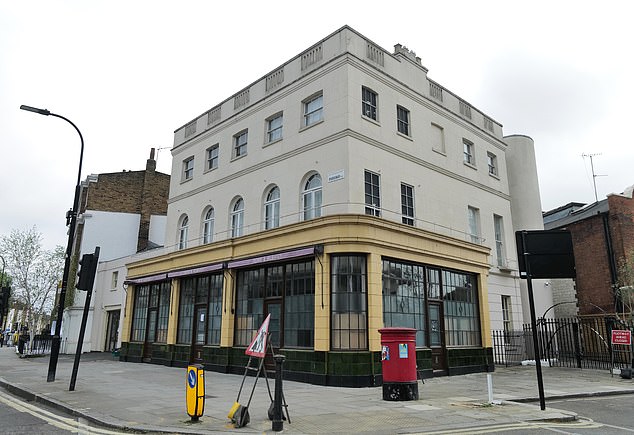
x=441 y=191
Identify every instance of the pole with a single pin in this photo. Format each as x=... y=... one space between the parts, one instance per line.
x=531 y=299
x=55 y=345
x=82 y=328
x=278 y=424
x=2 y=307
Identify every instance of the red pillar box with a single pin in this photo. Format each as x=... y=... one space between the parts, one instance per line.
x=398 y=355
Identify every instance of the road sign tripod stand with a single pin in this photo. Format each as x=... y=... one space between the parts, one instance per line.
x=241 y=416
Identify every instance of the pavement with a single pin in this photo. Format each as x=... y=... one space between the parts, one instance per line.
x=151 y=398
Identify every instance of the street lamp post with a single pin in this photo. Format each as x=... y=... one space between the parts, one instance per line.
x=3 y=308
x=55 y=345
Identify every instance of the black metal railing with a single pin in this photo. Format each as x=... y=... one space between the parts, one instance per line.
x=581 y=342
x=41 y=345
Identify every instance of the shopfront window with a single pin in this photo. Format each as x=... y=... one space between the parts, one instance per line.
x=299 y=305
x=201 y=296
x=287 y=293
x=404 y=297
x=151 y=313
x=462 y=319
x=349 y=303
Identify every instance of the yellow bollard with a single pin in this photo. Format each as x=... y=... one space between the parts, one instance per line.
x=195 y=391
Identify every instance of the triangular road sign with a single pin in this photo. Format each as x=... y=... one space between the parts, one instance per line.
x=257 y=348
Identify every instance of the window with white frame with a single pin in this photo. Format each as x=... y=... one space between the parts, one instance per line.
x=372 y=194
x=115 y=280
x=402 y=120
x=507 y=314
x=407 y=204
x=437 y=138
x=237 y=218
x=311 y=197
x=473 y=215
x=313 y=110
x=368 y=103
x=492 y=162
x=272 y=209
x=240 y=143
x=188 y=168
x=500 y=251
x=183 y=229
x=274 y=128
x=468 y=151
x=212 y=157
x=208 y=226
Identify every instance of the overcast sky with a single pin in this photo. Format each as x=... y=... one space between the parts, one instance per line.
x=129 y=73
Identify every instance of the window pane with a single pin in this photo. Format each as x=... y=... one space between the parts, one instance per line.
x=186 y=311
x=349 y=302
x=462 y=320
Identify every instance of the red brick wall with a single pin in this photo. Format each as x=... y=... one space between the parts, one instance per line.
x=140 y=192
x=594 y=279
x=592 y=265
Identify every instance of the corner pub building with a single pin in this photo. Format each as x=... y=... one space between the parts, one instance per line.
x=338 y=194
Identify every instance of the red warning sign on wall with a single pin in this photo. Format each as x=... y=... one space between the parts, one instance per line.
x=257 y=347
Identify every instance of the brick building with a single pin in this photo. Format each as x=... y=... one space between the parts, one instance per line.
x=123 y=213
x=603 y=238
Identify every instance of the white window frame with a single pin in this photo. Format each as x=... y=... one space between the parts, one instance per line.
x=406 y=217
x=208 y=226
x=507 y=314
x=313 y=109
x=500 y=249
x=237 y=218
x=312 y=197
x=274 y=132
x=213 y=153
x=468 y=152
x=374 y=192
x=272 y=208
x=403 y=124
x=369 y=103
x=240 y=141
x=188 y=168
x=115 y=280
x=492 y=163
x=183 y=230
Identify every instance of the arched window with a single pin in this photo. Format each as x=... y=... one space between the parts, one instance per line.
x=182 y=232
x=237 y=218
x=208 y=226
x=311 y=197
x=272 y=209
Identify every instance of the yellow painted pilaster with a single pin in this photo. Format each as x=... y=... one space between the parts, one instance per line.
x=375 y=300
x=322 y=303
x=228 y=316
x=127 y=314
x=172 y=324
x=485 y=320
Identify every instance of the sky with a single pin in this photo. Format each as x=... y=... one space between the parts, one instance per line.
x=129 y=73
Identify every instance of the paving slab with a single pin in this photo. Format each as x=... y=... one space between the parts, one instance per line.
x=151 y=398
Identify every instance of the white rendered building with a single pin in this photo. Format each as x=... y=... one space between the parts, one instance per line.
x=347 y=153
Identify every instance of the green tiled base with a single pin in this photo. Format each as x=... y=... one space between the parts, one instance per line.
x=352 y=369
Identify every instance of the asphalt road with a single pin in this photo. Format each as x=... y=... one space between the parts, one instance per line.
x=606 y=415
x=22 y=418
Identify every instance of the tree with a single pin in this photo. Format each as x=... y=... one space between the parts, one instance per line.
x=35 y=273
